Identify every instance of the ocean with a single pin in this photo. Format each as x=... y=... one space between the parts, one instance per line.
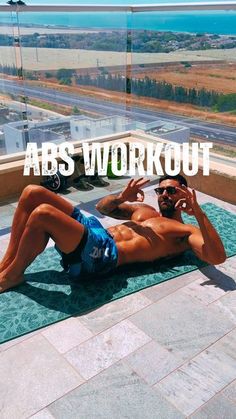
x=218 y=22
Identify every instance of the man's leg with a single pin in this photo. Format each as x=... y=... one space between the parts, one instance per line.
x=31 y=197
x=44 y=222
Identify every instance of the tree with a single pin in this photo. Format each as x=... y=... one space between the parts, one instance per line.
x=128 y=85
x=48 y=75
x=64 y=73
x=75 y=110
x=30 y=75
x=226 y=102
x=66 y=81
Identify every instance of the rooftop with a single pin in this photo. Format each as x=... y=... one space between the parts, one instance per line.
x=166 y=351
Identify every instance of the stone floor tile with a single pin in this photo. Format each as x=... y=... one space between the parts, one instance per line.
x=205 y=293
x=13 y=342
x=229 y=268
x=152 y=362
x=217 y=407
x=159 y=291
x=108 y=222
x=230 y=391
x=222 y=277
x=4 y=240
x=197 y=381
x=87 y=196
x=67 y=334
x=101 y=351
x=14 y=204
x=43 y=414
x=69 y=198
x=5 y=237
x=50 y=243
x=112 y=313
x=7 y=212
x=116 y=393
x=33 y=375
x=115 y=187
x=227 y=345
x=73 y=202
x=73 y=193
x=227 y=306
x=181 y=324
x=184 y=391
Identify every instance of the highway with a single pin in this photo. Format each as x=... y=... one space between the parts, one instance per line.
x=212 y=132
x=219 y=159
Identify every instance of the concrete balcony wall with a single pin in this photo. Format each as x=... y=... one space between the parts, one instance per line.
x=219 y=184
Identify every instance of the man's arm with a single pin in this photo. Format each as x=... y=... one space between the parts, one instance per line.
x=115 y=205
x=204 y=241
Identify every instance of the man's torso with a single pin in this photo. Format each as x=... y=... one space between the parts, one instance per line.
x=143 y=240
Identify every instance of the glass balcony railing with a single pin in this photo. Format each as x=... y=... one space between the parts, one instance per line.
x=72 y=73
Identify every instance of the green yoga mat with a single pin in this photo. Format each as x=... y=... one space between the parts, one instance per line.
x=49 y=296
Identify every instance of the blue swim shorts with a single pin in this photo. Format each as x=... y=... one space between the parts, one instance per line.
x=96 y=253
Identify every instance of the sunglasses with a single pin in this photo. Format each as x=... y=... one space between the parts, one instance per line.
x=171 y=190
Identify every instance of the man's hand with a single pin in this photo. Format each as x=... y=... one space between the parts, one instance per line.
x=133 y=191
x=188 y=203
x=205 y=241
x=116 y=206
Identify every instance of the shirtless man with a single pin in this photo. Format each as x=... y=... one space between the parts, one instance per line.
x=87 y=248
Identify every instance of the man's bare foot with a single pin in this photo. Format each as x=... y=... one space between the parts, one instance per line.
x=7 y=283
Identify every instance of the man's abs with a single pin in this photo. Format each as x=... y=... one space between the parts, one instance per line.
x=149 y=240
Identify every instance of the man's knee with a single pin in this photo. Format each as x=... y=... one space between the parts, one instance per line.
x=41 y=215
x=31 y=196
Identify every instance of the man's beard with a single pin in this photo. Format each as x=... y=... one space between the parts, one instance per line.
x=167 y=210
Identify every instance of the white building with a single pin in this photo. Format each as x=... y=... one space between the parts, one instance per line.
x=78 y=128
x=166 y=130
x=83 y=128
x=18 y=134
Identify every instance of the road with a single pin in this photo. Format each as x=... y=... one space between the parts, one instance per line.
x=219 y=159
x=209 y=131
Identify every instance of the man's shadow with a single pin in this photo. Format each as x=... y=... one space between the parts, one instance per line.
x=218 y=279
x=56 y=291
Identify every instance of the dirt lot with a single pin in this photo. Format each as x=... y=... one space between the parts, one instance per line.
x=218 y=77
x=48 y=59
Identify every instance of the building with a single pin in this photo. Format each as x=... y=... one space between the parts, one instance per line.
x=83 y=128
x=79 y=128
x=166 y=130
x=18 y=134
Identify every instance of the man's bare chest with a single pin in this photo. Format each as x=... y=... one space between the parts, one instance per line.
x=166 y=228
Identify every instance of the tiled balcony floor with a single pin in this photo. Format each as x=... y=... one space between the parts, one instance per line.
x=164 y=352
